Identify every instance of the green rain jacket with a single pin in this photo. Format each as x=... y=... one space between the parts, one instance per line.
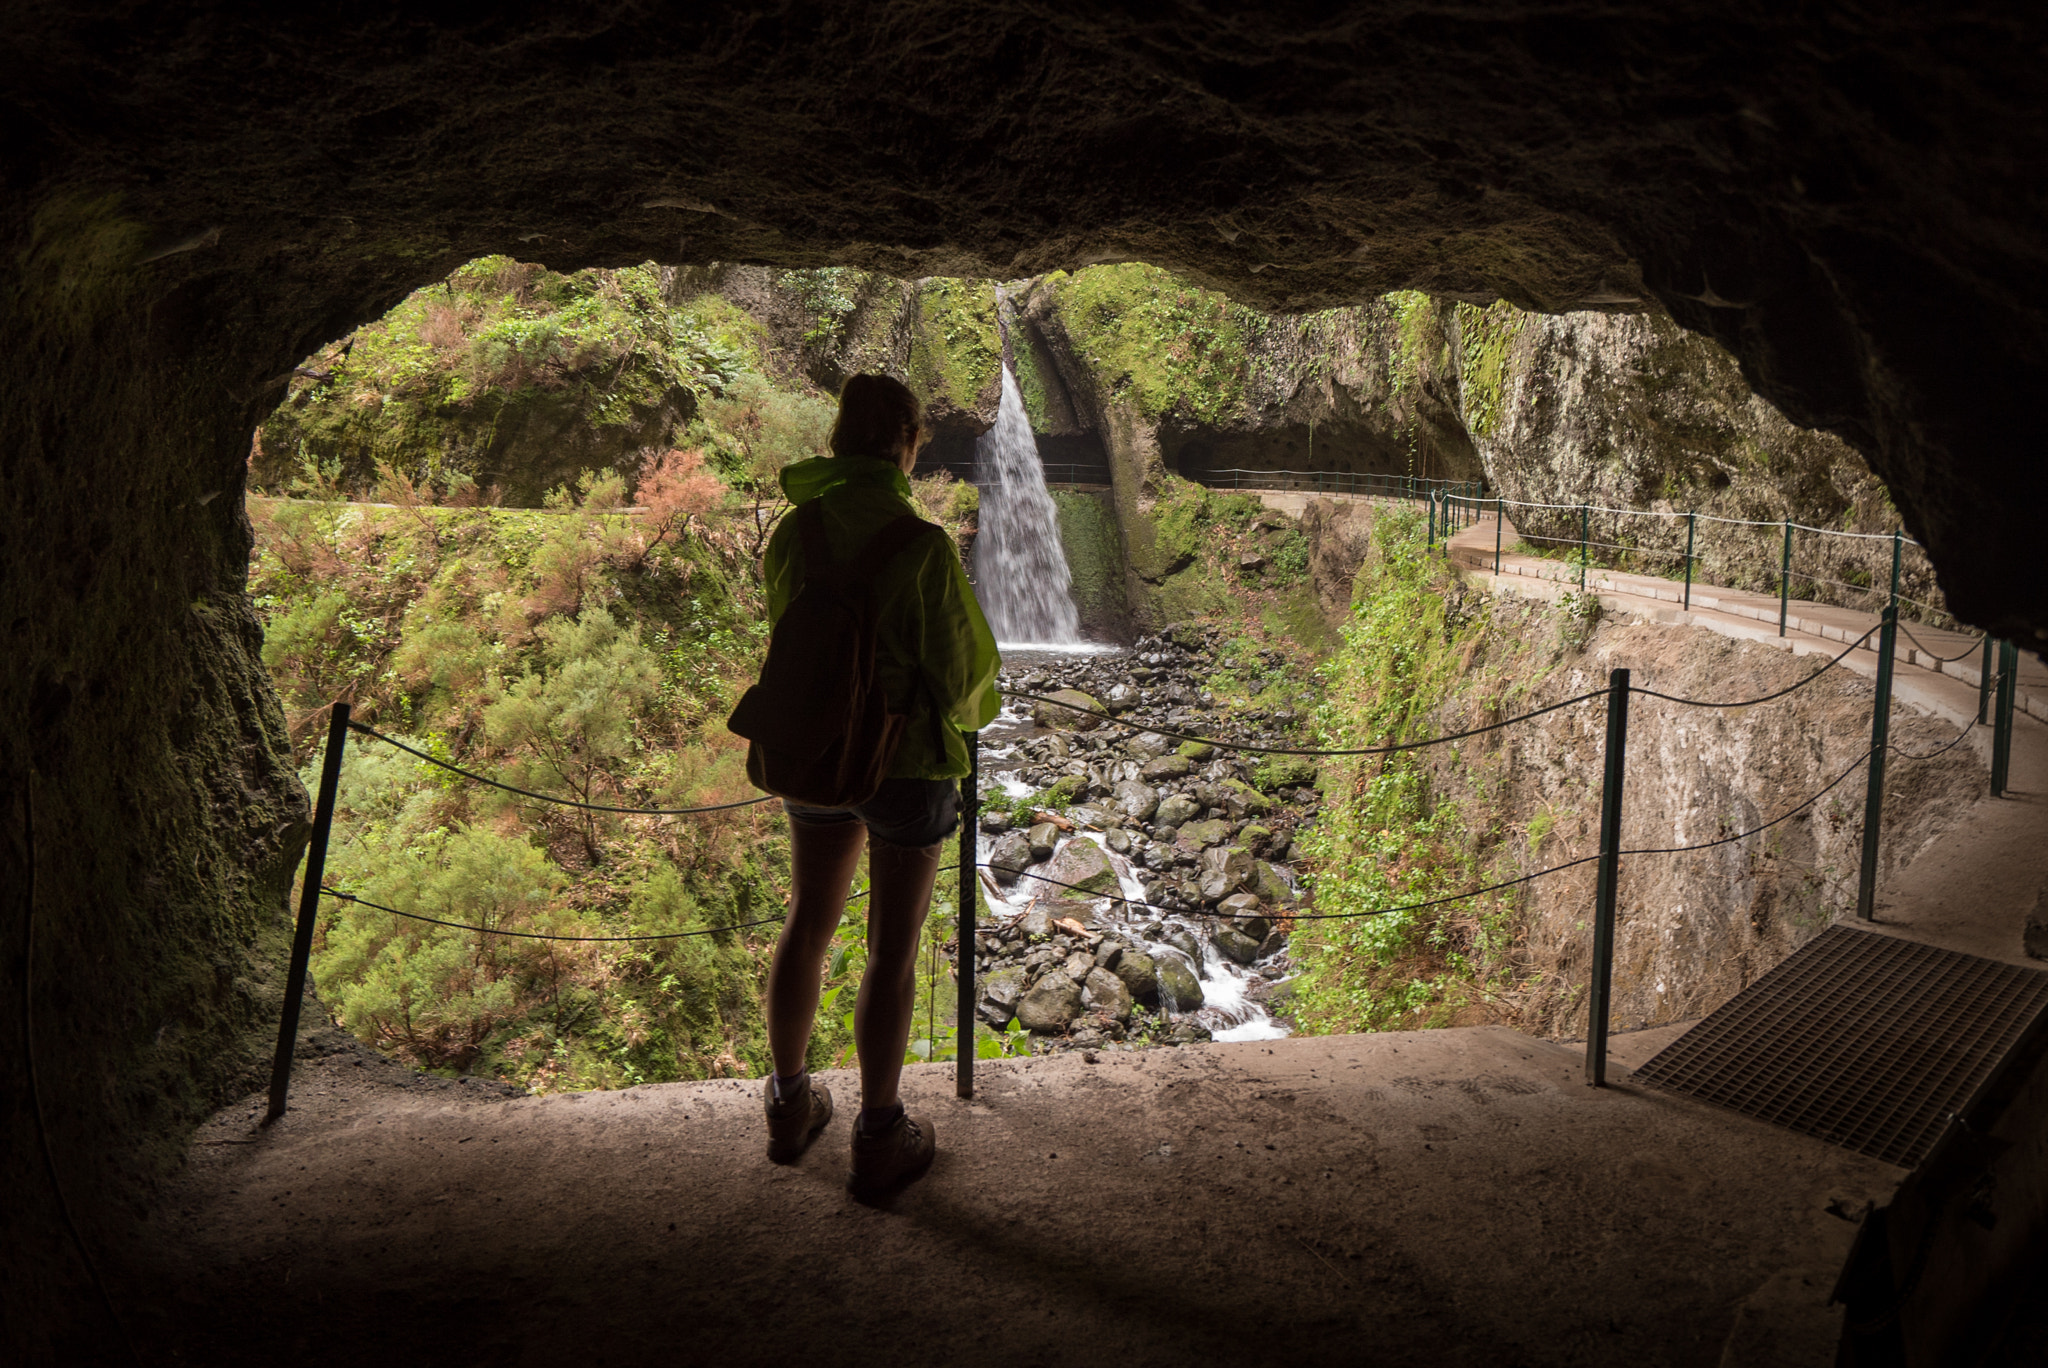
x=935 y=657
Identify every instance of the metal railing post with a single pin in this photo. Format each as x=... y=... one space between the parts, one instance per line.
x=309 y=911
x=1600 y=999
x=2001 y=732
x=1691 y=523
x=1432 y=520
x=1499 y=516
x=1984 y=681
x=1880 y=740
x=963 y=955
x=1785 y=578
x=1585 y=515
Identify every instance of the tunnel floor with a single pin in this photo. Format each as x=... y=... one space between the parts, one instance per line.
x=1442 y=1197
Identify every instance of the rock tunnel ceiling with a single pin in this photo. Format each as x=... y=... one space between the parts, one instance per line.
x=1843 y=200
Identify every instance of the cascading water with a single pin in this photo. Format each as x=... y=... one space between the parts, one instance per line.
x=1020 y=569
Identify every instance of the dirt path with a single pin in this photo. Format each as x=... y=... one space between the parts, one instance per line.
x=1448 y=1197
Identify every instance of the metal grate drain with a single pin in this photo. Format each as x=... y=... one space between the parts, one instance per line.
x=1860 y=1039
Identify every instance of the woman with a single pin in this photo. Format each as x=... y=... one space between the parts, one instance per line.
x=935 y=659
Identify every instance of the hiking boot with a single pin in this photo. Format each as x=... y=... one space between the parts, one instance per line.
x=795 y=1120
x=895 y=1158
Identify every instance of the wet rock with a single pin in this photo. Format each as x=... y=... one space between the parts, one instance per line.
x=1239 y=907
x=1255 y=837
x=1278 y=772
x=1136 y=801
x=1104 y=992
x=1011 y=853
x=1204 y=833
x=1036 y=921
x=995 y=821
x=1084 y=865
x=1177 y=810
x=1147 y=746
x=1275 y=941
x=1241 y=800
x=1078 y=966
x=999 y=994
x=1118 y=840
x=1183 y=940
x=1235 y=944
x=1073 y=910
x=1179 y=989
x=1164 y=768
x=1043 y=836
x=1266 y=880
x=1050 y=1003
x=1139 y=973
x=1067 y=719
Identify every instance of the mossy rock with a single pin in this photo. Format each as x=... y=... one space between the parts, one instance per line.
x=1284 y=771
x=1049 y=714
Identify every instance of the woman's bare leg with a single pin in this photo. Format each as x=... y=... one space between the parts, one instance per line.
x=822 y=864
x=900 y=879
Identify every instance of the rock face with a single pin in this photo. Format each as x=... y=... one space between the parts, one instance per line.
x=1846 y=207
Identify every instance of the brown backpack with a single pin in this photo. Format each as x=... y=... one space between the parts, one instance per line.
x=820 y=729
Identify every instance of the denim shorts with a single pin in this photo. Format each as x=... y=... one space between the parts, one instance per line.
x=903 y=812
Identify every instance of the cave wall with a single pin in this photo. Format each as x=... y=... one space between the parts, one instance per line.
x=197 y=197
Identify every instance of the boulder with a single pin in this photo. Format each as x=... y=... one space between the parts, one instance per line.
x=1036 y=921
x=1135 y=800
x=1067 y=719
x=1164 y=768
x=1050 y=1003
x=1011 y=853
x=1275 y=941
x=1268 y=883
x=1119 y=840
x=1236 y=944
x=1043 y=837
x=1177 y=810
x=1078 y=966
x=999 y=993
x=1179 y=989
x=1241 y=800
x=1233 y=862
x=1066 y=789
x=1277 y=772
x=995 y=821
x=1105 y=993
x=1183 y=940
x=1195 y=835
x=1197 y=751
x=1240 y=907
x=1147 y=746
x=1084 y=865
x=1069 y=910
x=1139 y=973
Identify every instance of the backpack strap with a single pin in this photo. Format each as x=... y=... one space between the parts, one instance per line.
x=883 y=546
x=810 y=525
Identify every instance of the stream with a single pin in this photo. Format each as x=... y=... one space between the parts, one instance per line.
x=1199 y=837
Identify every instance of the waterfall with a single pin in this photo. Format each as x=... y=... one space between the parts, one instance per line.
x=1020 y=569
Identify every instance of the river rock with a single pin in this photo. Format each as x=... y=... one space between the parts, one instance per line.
x=1239 y=908
x=1036 y=921
x=1136 y=801
x=1066 y=719
x=1269 y=884
x=1084 y=865
x=999 y=994
x=1164 y=768
x=995 y=821
x=1119 y=840
x=1277 y=772
x=1139 y=973
x=1079 y=965
x=1043 y=837
x=1176 y=810
x=1236 y=944
x=1197 y=751
x=1195 y=835
x=1050 y=1003
x=1073 y=910
x=1147 y=746
x=1011 y=853
x=1183 y=940
x=1179 y=989
x=1241 y=800
x=1104 y=992
x=1275 y=941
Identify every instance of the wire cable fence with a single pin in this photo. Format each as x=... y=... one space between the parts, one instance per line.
x=1617 y=694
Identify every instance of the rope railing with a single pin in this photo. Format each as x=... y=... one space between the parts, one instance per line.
x=329 y=891
x=1763 y=698
x=472 y=775
x=1246 y=746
